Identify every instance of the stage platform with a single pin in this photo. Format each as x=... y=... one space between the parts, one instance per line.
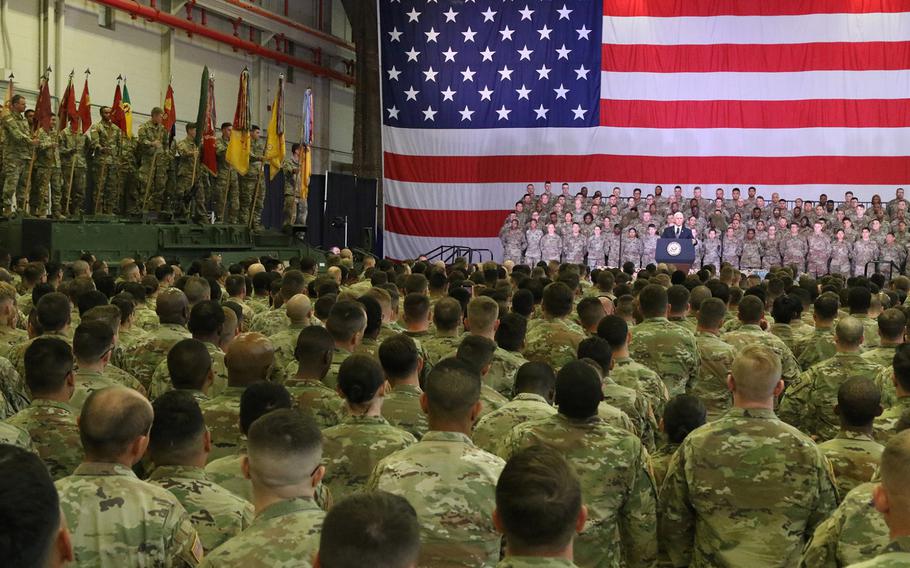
x=115 y=238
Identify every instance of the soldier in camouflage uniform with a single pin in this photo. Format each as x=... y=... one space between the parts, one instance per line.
x=254 y=177
x=627 y=372
x=725 y=474
x=819 y=244
x=751 y=313
x=891 y=324
x=49 y=419
x=354 y=447
x=794 y=249
x=649 y=246
x=750 y=257
x=893 y=251
x=18 y=145
x=841 y=255
x=809 y=402
x=732 y=247
x=402 y=365
x=715 y=358
x=130 y=194
x=46 y=187
x=709 y=250
x=553 y=338
x=513 y=242
x=173 y=312
x=227 y=189
x=106 y=143
x=613 y=467
x=886 y=425
x=314 y=355
x=854 y=532
x=632 y=249
x=597 y=248
x=284 y=455
x=864 y=250
x=152 y=148
x=114 y=518
x=449 y=481
x=551 y=245
x=298 y=310
x=819 y=345
x=447 y=319
x=178 y=447
x=249 y=358
x=663 y=346
x=532 y=239
x=771 y=249
x=73 y=153
x=191 y=177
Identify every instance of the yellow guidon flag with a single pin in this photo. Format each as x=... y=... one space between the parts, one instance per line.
x=275 y=143
x=238 y=149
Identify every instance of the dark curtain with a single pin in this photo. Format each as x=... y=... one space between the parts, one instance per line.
x=367 y=110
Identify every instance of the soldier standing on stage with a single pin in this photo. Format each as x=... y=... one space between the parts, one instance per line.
x=596 y=246
x=190 y=188
x=151 y=145
x=819 y=245
x=46 y=194
x=532 y=238
x=290 y=168
x=106 y=139
x=227 y=190
x=130 y=190
x=73 y=147
x=513 y=242
x=17 y=155
x=551 y=245
x=253 y=177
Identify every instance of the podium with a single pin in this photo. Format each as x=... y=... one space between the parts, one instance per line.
x=680 y=252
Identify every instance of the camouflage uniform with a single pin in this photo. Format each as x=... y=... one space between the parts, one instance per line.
x=795 y=250
x=285 y=533
x=732 y=248
x=770 y=253
x=161 y=378
x=324 y=403
x=630 y=373
x=534 y=562
x=493 y=429
x=632 y=249
x=550 y=247
x=88 y=382
x=894 y=252
x=784 y=332
x=809 y=402
x=855 y=458
x=285 y=342
x=881 y=355
x=401 y=407
x=216 y=513
x=270 y=322
x=130 y=194
x=870 y=331
x=117 y=520
x=895 y=555
x=12 y=388
x=16 y=436
x=715 y=359
x=147 y=355
x=55 y=434
x=885 y=426
x=17 y=153
x=222 y=417
x=853 y=533
x=146 y=318
x=152 y=146
x=649 y=249
x=616 y=480
x=709 y=251
x=660 y=461
x=863 y=252
x=228 y=473
x=668 y=350
x=191 y=178
x=227 y=188
x=513 y=243
x=9 y=338
x=597 y=250
x=352 y=449
x=438 y=347
x=451 y=483
x=46 y=185
x=553 y=341
x=841 y=255
x=751 y=334
x=532 y=252
x=819 y=254
x=254 y=176
x=636 y=407
x=750 y=258
x=814 y=348
x=744 y=490
x=73 y=146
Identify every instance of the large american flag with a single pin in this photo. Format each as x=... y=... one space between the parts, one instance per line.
x=481 y=97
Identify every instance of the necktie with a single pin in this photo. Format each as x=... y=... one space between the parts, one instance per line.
x=677 y=232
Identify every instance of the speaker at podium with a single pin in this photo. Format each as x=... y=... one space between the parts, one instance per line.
x=680 y=252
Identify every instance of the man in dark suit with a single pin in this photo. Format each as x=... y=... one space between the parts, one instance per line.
x=677 y=230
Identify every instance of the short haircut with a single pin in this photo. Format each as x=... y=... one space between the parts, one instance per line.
x=189 y=364
x=535 y=377
x=283 y=448
x=398 y=355
x=359 y=377
x=678 y=298
x=48 y=360
x=826 y=306
x=895 y=470
x=53 y=311
x=698 y=295
x=590 y=311
x=416 y=307
x=374 y=314
x=891 y=324
x=92 y=340
x=711 y=313
x=112 y=418
x=91 y=299
x=29 y=508
x=598 y=350
x=538 y=499
x=196 y=289
x=346 y=319
x=756 y=372
x=901 y=365
x=849 y=331
x=615 y=330
x=510 y=335
x=452 y=389
x=523 y=302
x=751 y=309
x=447 y=314
x=177 y=428
x=313 y=343
x=206 y=318
x=235 y=284
x=558 y=299
x=859 y=401
x=653 y=301
x=476 y=351
x=370 y=529
x=859 y=298
x=483 y=312
x=259 y=399
x=578 y=390
x=683 y=414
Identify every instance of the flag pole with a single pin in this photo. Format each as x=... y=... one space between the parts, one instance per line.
x=31 y=164
x=256 y=193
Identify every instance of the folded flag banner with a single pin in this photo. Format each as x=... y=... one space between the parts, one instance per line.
x=275 y=141
x=205 y=122
x=170 y=112
x=67 y=114
x=85 y=107
x=238 y=149
x=43 y=112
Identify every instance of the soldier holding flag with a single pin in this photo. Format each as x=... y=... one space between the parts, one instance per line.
x=17 y=154
x=105 y=141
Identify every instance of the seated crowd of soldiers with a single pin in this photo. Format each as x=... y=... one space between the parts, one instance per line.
x=422 y=414
x=748 y=232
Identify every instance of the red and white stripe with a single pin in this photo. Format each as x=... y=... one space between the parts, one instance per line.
x=797 y=97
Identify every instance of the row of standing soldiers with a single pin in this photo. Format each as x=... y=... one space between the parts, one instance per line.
x=61 y=173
